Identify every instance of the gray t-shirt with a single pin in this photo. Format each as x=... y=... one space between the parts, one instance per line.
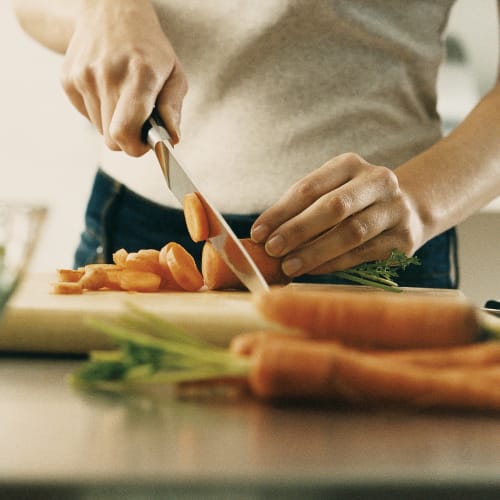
x=278 y=87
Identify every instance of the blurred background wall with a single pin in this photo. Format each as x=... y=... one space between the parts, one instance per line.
x=48 y=152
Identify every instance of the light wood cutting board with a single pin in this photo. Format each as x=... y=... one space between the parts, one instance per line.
x=37 y=320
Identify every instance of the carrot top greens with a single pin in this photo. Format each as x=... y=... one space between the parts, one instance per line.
x=379 y=273
x=151 y=350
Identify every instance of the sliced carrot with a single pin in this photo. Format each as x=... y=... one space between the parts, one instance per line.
x=196 y=217
x=373 y=319
x=67 y=288
x=218 y=275
x=144 y=260
x=120 y=256
x=305 y=369
x=104 y=266
x=183 y=267
x=168 y=281
x=69 y=275
x=113 y=279
x=139 y=281
x=94 y=278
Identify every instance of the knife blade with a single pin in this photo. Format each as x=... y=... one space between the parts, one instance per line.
x=222 y=237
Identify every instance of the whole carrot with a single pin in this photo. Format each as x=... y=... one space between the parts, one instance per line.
x=372 y=318
x=304 y=369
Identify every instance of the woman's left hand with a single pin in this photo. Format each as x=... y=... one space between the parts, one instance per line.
x=344 y=213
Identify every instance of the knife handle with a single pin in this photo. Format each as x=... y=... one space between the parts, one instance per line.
x=153 y=130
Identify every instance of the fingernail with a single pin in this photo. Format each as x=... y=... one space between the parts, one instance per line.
x=275 y=245
x=292 y=266
x=259 y=233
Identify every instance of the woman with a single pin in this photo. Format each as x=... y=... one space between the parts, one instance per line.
x=312 y=127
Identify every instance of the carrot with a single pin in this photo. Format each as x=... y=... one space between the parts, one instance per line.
x=478 y=354
x=94 y=278
x=183 y=267
x=67 y=288
x=113 y=278
x=196 y=217
x=69 y=275
x=297 y=368
x=143 y=260
x=139 y=281
x=119 y=257
x=168 y=281
x=372 y=319
x=218 y=275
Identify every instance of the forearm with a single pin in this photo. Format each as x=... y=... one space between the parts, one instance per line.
x=459 y=174
x=49 y=23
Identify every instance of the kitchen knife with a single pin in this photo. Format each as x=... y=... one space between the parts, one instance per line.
x=178 y=181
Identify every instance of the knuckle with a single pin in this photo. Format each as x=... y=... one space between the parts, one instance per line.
x=357 y=231
x=387 y=177
x=339 y=205
x=140 y=69
x=305 y=190
x=351 y=158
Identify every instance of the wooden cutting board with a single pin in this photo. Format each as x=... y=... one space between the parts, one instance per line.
x=37 y=320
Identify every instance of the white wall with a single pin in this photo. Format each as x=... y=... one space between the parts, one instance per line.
x=48 y=152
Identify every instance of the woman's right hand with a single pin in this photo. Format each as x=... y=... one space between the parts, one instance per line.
x=119 y=64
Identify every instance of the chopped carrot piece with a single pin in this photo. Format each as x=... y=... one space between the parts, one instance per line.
x=69 y=275
x=94 y=278
x=144 y=260
x=196 y=217
x=168 y=281
x=120 y=256
x=139 y=281
x=183 y=267
x=67 y=288
x=113 y=279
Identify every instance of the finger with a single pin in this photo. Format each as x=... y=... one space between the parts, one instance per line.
x=305 y=192
x=133 y=107
x=170 y=101
x=83 y=89
x=325 y=213
x=109 y=101
x=344 y=237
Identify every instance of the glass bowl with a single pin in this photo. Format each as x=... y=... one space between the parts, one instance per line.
x=20 y=228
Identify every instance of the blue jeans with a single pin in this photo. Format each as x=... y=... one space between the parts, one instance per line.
x=116 y=217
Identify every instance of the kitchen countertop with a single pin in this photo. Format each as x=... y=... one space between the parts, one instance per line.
x=57 y=442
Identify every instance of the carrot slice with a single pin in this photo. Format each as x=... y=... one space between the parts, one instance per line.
x=144 y=260
x=119 y=257
x=69 y=275
x=373 y=319
x=218 y=275
x=139 y=281
x=168 y=282
x=67 y=288
x=196 y=217
x=94 y=278
x=183 y=267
